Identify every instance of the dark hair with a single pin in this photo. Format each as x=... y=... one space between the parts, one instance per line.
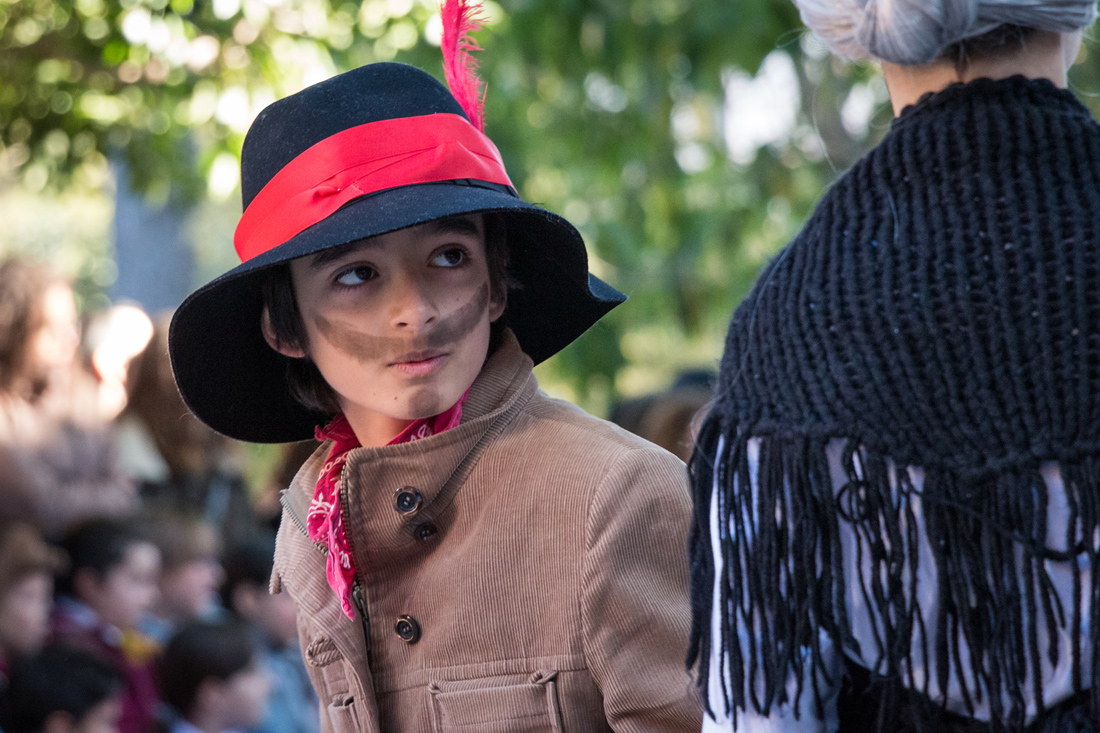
x=201 y=651
x=98 y=545
x=250 y=561
x=183 y=537
x=24 y=552
x=59 y=679
x=304 y=380
x=1004 y=39
x=187 y=445
x=22 y=285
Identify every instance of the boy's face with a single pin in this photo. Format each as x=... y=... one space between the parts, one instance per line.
x=398 y=324
x=25 y=614
x=103 y=718
x=275 y=614
x=239 y=701
x=190 y=589
x=127 y=591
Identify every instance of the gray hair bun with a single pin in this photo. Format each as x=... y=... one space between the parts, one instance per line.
x=918 y=31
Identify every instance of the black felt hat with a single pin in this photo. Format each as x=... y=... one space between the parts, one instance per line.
x=226 y=372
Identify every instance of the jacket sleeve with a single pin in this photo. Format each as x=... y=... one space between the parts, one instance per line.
x=635 y=606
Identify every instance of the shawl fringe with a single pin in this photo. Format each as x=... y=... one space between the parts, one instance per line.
x=784 y=577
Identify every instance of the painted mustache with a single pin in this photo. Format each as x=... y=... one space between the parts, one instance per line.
x=365 y=347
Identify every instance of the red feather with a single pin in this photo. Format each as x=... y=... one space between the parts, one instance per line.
x=460 y=19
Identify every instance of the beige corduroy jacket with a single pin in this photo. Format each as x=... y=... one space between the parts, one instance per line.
x=525 y=571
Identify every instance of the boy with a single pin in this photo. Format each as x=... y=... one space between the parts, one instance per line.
x=190 y=572
x=111 y=584
x=464 y=552
x=27 y=568
x=210 y=677
x=63 y=690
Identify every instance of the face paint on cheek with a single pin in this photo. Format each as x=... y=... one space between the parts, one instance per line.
x=365 y=347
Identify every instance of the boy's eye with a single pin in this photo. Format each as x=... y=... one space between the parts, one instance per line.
x=450 y=258
x=356 y=276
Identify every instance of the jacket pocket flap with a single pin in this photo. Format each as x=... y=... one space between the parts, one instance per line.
x=525 y=706
x=342 y=715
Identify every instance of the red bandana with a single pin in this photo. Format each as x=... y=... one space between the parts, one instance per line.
x=325 y=522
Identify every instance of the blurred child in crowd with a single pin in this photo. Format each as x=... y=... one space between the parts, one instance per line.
x=178 y=462
x=210 y=676
x=63 y=690
x=27 y=569
x=111 y=584
x=190 y=572
x=57 y=463
x=293 y=704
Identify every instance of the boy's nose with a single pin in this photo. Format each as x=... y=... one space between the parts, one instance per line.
x=413 y=308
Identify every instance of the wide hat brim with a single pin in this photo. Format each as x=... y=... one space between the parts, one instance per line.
x=237 y=384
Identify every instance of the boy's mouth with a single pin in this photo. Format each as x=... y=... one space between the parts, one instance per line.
x=419 y=363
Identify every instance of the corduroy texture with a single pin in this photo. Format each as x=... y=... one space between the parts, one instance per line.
x=553 y=595
x=941 y=308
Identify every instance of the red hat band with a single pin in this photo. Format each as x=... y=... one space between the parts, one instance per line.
x=363 y=160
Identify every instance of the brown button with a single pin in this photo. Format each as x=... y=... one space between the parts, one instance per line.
x=407 y=500
x=407 y=628
x=426 y=531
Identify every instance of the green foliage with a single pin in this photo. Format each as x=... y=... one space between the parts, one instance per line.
x=70 y=231
x=615 y=113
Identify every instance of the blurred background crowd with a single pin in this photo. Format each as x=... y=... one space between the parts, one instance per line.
x=686 y=140
x=134 y=564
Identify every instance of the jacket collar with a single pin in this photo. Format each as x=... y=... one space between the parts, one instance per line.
x=435 y=467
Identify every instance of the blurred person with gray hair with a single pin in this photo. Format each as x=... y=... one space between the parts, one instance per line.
x=897 y=491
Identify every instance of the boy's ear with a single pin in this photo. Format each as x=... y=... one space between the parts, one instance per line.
x=294 y=352
x=85 y=583
x=209 y=698
x=59 y=722
x=498 y=301
x=245 y=601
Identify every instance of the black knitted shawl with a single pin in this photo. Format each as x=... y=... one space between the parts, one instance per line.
x=940 y=309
